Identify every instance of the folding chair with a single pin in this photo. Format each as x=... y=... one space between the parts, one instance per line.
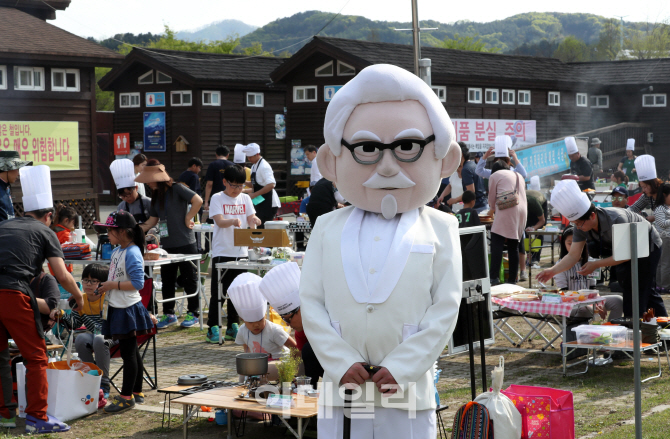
x=143 y=342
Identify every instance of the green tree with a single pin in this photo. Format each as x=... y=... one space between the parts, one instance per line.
x=609 y=43
x=256 y=49
x=652 y=41
x=104 y=100
x=572 y=49
x=473 y=44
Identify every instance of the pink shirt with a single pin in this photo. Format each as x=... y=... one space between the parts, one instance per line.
x=511 y=222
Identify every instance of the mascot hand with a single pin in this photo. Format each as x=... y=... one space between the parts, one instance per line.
x=386 y=384
x=355 y=376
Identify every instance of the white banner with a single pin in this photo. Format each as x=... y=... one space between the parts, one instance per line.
x=480 y=134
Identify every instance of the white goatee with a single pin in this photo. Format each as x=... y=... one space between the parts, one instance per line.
x=389 y=206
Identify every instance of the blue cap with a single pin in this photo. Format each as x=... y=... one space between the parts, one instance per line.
x=620 y=190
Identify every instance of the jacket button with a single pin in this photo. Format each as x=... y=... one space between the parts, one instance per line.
x=370 y=308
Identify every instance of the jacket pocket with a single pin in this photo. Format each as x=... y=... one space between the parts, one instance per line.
x=336 y=327
x=409 y=330
x=423 y=248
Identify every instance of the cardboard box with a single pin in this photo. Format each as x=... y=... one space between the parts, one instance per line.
x=261 y=238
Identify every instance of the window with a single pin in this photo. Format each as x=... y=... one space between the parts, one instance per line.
x=492 y=96
x=655 y=100
x=324 y=70
x=65 y=79
x=600 y=101
x=304 y=94
x=28 y=78
x=147 y=78
x=441 y=92
x=555 y=98
x=524 y=97
x=581 y=99
x=162 y=78
x=475 y=95
x=181 y=98
x=254 y=99
x=129 y=100
x=3 y=77
x=508 y=97
x=212 y=98
x=345 y=69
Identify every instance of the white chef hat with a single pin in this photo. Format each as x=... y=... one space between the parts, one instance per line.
x=630 y=145
x=571 y=145
x=645 y=166
x=123 y=172
x=569 y=200
x=36 y=187
x=502 y=146
x=247 y=298
x=280 y=287
x=239 y=156
x=535 y=183
x=251 y=149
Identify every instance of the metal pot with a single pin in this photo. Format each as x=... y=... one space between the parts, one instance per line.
x=251 y=364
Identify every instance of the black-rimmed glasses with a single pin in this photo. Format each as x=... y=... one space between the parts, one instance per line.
x=90 y=281
x=288 y=317
x=370 y=152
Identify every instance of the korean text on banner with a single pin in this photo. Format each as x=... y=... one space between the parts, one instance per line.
x=543 y=160
x=480 y=134
x=55 y=144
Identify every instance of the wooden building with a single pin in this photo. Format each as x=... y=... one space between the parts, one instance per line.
x=209 y=99
x=48 y=74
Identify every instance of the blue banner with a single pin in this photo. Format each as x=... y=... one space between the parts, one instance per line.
x=154 y=132
x=546 y=159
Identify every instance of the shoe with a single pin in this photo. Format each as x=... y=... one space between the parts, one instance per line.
x=212 y=335
x=231 y=334
x=167 y=320
x=105 y=391
x=535 y=266
x=139 y=398
x=119 y=404
x=51 y=425
x=495 y=282
x=523 y=276
x=8 y=422
x=189 y=320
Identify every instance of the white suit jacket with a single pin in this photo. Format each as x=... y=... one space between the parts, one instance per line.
x=406 y=322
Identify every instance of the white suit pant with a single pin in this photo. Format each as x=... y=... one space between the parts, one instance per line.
x=387 y=423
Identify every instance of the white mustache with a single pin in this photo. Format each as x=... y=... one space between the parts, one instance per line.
x=398 y=181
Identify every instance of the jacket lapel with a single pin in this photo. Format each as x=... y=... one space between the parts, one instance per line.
x=351 y=257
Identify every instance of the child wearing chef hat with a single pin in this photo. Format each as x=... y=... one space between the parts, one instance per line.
x=280 y=287
x=258 y=334
x=123 y=172
x=645 y=165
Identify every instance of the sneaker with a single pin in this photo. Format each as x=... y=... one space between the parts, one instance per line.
x=231 y=334
x=51 y=425
x=105 y=391
x=189 y=320
x=523 y=277
x=119 y=404
x=167 y=320
x=212 y=335
x=139 y=398
x=535 y=266
x=8 y=422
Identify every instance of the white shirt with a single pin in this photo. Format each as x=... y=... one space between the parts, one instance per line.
x=240 y=207
x=140 y=187
x=375 y=240
x=270 y=341
x=315 y=175
x=265 y=176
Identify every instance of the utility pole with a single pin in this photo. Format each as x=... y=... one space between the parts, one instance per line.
x=416 y=31
x=621 y=17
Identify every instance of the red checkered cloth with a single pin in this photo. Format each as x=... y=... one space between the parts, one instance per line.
x=536 y=306
x=292 y=207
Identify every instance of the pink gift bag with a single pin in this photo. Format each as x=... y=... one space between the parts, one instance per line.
x=546 y=413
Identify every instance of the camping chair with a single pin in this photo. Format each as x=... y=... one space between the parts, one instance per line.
x=143 y=342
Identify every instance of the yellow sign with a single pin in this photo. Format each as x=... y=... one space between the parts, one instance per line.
x=55 y=144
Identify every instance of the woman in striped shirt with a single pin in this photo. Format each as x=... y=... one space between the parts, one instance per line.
x=662 y=223
x=650 y=190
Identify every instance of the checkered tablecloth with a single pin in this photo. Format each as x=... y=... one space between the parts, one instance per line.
x=536 y=306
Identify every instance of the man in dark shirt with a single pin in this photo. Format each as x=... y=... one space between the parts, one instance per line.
x=190 y=176
x=322 y=200
x=214 y=176
x=10 y=163
x=468 y=216
x=581 y=167
x=471 y=182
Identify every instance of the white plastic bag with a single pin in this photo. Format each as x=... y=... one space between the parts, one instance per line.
x=505 y=416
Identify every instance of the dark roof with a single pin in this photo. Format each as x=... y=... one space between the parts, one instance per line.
x=638 y=72
x=203 y=67
x=25 y=36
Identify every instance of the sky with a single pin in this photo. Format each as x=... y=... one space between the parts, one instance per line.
x=104 y=18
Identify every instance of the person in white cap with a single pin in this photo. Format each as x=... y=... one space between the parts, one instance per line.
x=280 y=286
x=123 y=172
x=381 y=280
x=649 y=183
x=262 y=184
x=595 y=155
x=627 y=163
x=580 y=166
x=594 y=224
x=258 y=334
x=26 y=242
x=501 y=151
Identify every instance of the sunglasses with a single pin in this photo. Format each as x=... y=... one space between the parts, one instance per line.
x=370 y=152
x=288 y=317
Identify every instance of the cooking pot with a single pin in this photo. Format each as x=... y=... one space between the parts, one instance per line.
x=251 y=364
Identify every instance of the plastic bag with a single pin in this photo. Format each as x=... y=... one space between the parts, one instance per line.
x=505 y=416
